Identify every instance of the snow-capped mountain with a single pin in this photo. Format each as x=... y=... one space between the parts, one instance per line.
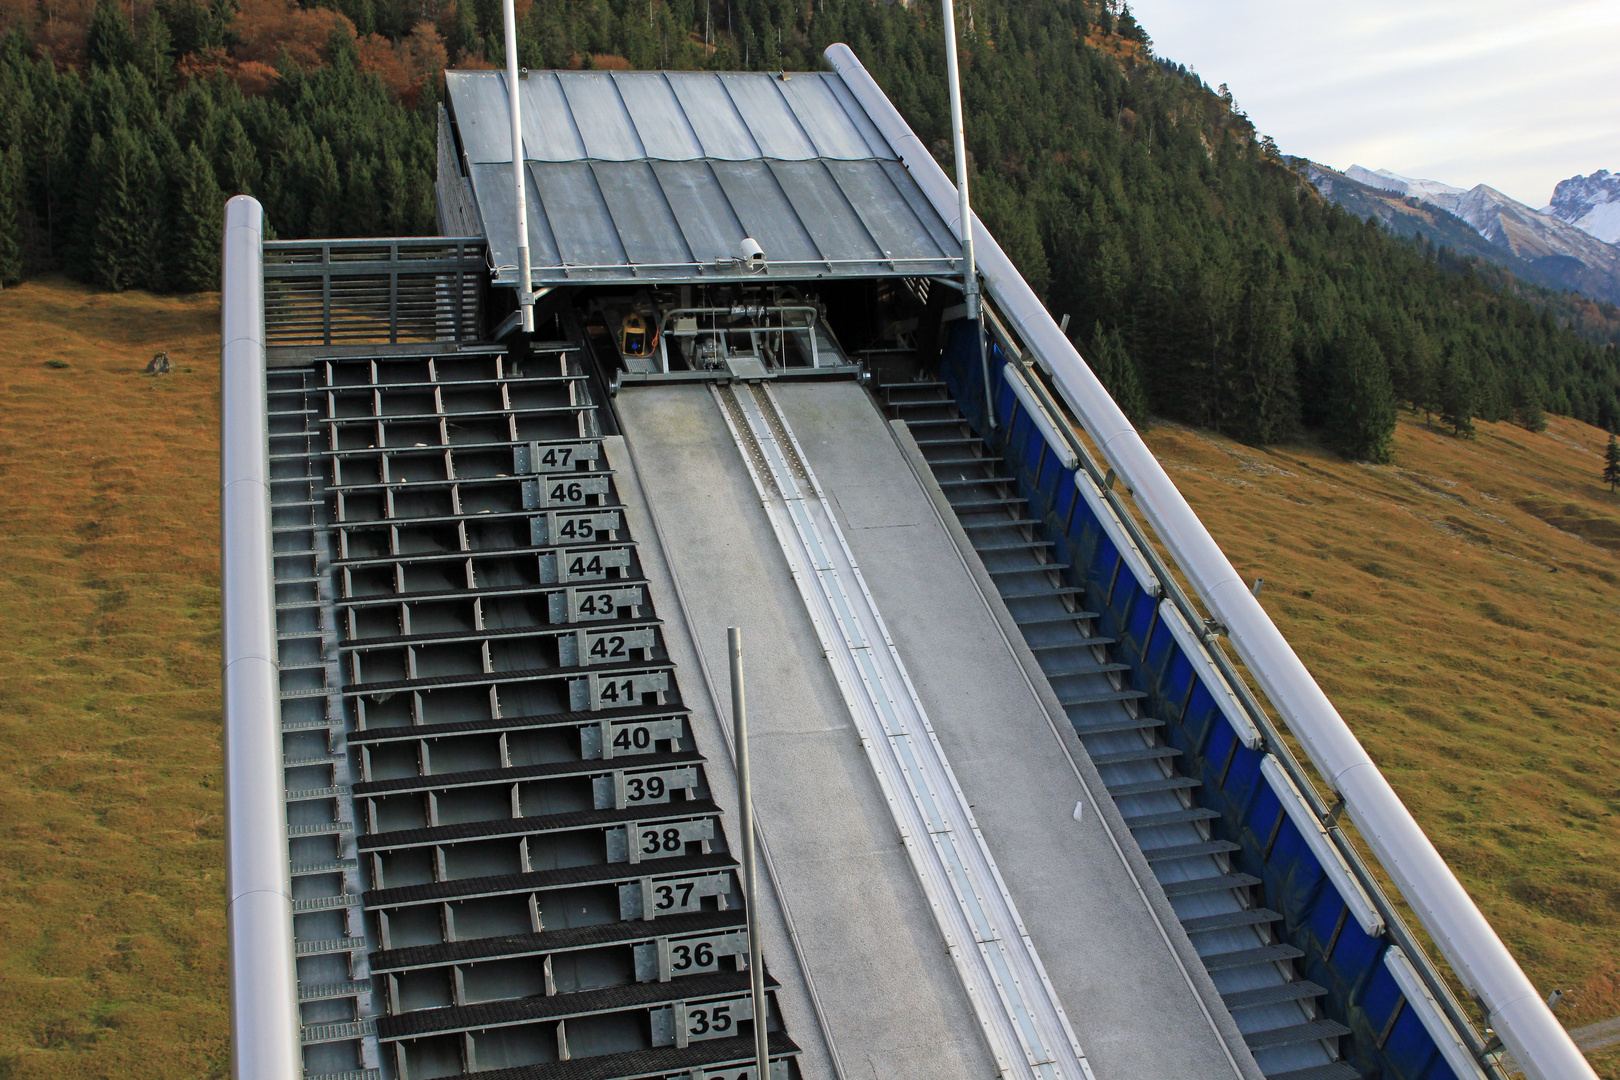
x=1540 y=246
x=1591 y=203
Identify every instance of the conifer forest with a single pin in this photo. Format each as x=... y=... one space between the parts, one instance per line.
x=1204 y=278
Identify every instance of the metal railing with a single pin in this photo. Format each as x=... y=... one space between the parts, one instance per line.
x=374 y=291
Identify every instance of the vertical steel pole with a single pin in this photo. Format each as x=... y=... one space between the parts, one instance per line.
x=970 y=270
x=745 y=803
x=525 y=286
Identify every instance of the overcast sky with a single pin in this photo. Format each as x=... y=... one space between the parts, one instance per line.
x=1516 y=95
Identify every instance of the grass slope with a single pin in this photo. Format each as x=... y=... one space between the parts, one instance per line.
x=1462 y=609
x=1461 y=606
x=111 y=860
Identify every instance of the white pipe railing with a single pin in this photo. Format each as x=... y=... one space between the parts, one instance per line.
x=265 y=1042
x=1487 y=970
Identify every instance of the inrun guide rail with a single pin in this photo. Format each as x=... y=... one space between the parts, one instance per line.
x=1023 y=1020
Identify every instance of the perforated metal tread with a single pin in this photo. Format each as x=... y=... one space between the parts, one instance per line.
x=677 y=1062
x=1333 y=1070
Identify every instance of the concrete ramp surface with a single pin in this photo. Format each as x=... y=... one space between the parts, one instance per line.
x=1117 y=962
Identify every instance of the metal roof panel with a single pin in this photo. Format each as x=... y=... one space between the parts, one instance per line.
x=642 y=215
x=720 y=128
x=549 y=131
x=578 y=215
x=599 y=114
x=665 y=130
x=823 y=118
x=775 y=129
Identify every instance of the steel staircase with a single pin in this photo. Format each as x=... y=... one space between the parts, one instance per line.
x=1221 y=908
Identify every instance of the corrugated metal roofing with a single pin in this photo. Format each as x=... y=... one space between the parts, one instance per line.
x=652 y=175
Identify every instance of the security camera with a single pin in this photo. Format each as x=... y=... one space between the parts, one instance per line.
x=752 y=253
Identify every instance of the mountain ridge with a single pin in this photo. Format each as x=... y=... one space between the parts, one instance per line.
x=1537 y=246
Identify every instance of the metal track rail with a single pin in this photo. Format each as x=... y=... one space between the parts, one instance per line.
x=1023 y=1020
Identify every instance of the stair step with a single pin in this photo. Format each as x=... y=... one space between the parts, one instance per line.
x=1189 y=851
x=1123 y=723
x=1230 y=920
x=1092 y=668
x=926 y=384
x=1303 y=990
x=1218 y=883
x=1047 y=620
x=1146 y=753
x=924 y=403
x=969 y=527
x=1265 y=954
x=1032 y=568
x=1103 y=698
x=975 y=481
x=1084 y=642
x=946 y=463
x=964 y=440
x=1017 y=545
x=1297 y=1033
x=973 y=505
x=1171 y=817
x=1333 y=1070
x=936 y=423
x=1052 y=590
x=1151 y=787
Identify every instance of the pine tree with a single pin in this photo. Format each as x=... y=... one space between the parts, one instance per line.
x=13 y=213
x=1361 y=424
x=1458 y=396
x=111 y=40
x=1611 y=464
x=122 y=231
x=196 y=210
x=1118 y=373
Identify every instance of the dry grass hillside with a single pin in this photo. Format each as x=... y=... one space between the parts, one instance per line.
x=111 y=884
x=1462 y=607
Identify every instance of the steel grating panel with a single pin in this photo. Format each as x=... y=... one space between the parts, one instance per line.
x=637 y=176
x=503 y=849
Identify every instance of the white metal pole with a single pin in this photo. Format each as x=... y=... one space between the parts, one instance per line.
x=745 y=815
x=525 y=284
x=970 y=271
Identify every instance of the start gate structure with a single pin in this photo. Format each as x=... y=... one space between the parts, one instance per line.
x=1020 y=812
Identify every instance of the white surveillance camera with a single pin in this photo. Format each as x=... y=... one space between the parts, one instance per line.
x=752 y=253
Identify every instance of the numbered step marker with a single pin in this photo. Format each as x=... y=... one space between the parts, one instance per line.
x=605 y=646
x=582 y=604
x=573 y=564
x=626 y=738
x=555 y=528
x=539 y=457
x=554 y=491
x=596 y=692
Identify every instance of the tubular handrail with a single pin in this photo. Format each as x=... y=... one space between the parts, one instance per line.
x=1483 y=964
x=265 y=1037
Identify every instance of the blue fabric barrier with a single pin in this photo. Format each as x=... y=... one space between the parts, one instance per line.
x=1387 y=1040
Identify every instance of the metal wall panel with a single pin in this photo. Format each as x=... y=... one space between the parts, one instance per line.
x=665 y=131
x=600 y=116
